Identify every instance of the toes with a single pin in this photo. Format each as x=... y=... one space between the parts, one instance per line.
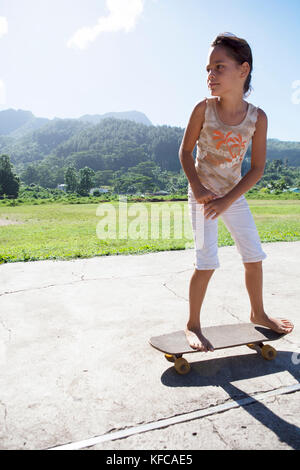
x=197 y=346
x=285 y=330
x=287 y=322
x=284 y=325
x=287 y=326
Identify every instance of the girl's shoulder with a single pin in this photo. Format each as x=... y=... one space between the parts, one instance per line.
x=261 y=121
x=201 y=107
x=257 y=115
x=199 y=112
x=261 y=115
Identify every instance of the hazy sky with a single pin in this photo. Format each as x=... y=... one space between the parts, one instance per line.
x=67 y=58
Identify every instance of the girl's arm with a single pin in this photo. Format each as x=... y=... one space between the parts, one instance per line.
x=185 y=154
x=258 y=159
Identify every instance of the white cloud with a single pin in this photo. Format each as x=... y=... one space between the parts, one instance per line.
x=123 y=16
x=2 y=92
x=3 y=26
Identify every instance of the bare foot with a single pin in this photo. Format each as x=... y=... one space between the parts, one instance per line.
x=280 y=325
x=197 y=341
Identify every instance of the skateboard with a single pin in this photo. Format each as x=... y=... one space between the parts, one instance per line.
x=175 y=344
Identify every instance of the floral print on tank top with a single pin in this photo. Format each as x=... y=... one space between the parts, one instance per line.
x=221 y=148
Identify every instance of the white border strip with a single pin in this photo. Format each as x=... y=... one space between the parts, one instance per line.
x=175 y=419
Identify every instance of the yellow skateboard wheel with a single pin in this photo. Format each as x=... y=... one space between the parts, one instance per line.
x=182 y=366
x=268 y=352
x=251 y=346
x=170 y=357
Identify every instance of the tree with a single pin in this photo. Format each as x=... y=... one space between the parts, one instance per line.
x=177 y=183
x=282 y=184
x=45 y=175
x=130 y=183
x=30 y=174
x=103 y=177
x=9 y=181
x=86 y=175
x=71 y=179
x=279 y=185
x=276 y=165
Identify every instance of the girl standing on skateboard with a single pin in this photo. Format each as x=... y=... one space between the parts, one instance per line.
x=223 y=126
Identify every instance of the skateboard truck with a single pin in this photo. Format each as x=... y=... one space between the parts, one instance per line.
x=266 y=350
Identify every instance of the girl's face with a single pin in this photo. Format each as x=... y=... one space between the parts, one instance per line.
x=224 y=75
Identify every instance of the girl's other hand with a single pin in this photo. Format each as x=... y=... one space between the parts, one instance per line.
x=203 y=196
x=215 y=208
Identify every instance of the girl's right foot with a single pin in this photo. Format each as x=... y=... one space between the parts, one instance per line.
x=196 y=339
x=280 y=325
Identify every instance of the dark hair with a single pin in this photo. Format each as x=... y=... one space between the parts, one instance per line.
x=239 y=50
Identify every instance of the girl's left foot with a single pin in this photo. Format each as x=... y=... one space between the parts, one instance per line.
x=280 y=325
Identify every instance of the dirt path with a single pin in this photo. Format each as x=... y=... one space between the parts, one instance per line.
x=9 y=222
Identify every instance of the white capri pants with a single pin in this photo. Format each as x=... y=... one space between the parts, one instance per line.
x=240 y=223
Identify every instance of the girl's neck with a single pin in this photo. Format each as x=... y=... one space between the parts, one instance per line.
x=232 y=105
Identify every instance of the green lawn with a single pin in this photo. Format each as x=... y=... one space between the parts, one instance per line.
x=58 y=231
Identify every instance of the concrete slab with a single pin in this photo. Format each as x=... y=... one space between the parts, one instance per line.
x=75 y=360
x=259 y=426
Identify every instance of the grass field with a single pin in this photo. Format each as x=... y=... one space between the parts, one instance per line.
x=57 y=231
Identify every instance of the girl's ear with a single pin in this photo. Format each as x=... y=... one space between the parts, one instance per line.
x=245 y=68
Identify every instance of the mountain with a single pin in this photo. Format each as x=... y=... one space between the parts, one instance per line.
x=18 y=123
x=135 y=116
x=37 y=144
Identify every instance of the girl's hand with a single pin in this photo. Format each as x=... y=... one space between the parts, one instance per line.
x=215 y=208
x=203 y=196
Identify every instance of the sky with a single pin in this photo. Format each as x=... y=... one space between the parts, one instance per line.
x=67 y=58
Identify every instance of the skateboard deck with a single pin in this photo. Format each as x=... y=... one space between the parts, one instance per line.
x=175 y=344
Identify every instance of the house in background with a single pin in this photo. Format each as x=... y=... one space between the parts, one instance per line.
x=294 y=190
x=100 y=190
x=62 y=187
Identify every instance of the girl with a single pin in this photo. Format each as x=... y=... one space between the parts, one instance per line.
x=222 y=126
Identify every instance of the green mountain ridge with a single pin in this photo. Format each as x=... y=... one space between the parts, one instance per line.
x=110 y=144
x=17 y=123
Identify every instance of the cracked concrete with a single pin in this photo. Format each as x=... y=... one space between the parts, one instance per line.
x=75 y=360
x=235 y=429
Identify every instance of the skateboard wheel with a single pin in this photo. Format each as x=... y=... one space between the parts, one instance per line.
x=268 y=352
x=251 y=346
x=170 y=357
x=182 y=366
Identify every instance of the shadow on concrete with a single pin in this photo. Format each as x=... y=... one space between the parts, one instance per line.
x=221 y=372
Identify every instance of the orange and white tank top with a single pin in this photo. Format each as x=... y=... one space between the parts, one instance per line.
x=221 y=148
